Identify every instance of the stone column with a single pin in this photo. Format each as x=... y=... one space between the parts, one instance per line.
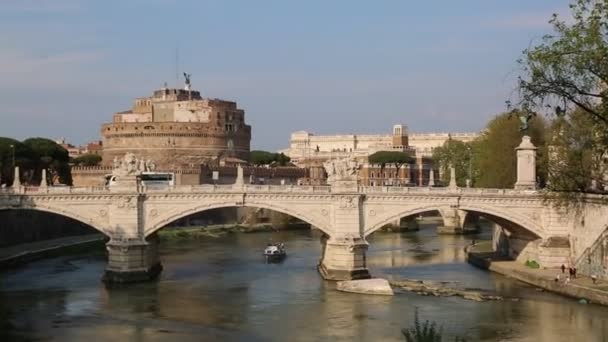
x=43 y=182
x=453 y=184
x=344 y=258
x=431 y=177
x=16 y=179
x=526 y=165
x=240 y=178
x=131 y=261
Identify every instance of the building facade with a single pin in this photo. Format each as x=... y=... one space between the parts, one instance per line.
x=305 y=145
x=177 y=128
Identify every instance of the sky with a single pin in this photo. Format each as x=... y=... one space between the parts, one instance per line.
x=327 y=67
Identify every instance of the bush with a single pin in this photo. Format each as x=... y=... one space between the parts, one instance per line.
x=532 y=264
x=427 y=332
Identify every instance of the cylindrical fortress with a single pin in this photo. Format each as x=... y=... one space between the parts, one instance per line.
x=177 y=128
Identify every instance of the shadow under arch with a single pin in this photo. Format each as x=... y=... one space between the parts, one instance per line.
x=177 y=215
x=400 y=215
x=516 y=221
x=59 y=212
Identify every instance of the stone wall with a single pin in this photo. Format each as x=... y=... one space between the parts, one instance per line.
x=89 y=176
x=175 y=144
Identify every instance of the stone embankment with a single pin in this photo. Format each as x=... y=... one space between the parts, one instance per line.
x=581 y=287
x=23 y=253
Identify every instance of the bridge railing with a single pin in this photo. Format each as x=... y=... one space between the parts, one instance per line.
x=257 y=188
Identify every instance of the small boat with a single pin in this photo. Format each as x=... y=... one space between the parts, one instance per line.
x=275 y=252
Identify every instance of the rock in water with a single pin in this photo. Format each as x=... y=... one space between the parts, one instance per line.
x=376 y=286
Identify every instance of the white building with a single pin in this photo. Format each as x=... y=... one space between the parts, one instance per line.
x=305 y=145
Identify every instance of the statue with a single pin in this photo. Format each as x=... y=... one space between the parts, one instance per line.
x=116 y=163
x=126 y=166
x=341 y=170
x=524 y=117
x=188 y=84
x=142 y=165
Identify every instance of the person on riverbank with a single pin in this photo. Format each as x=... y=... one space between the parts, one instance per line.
x=594 y=278
x=574 y=272
x=563 y=268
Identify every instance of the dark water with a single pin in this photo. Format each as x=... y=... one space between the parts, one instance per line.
x=221 y=290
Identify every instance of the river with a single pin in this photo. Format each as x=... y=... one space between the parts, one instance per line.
x=220 y=289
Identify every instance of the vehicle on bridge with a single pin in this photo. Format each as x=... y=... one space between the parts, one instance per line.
x=152 y=180
x=275 y=252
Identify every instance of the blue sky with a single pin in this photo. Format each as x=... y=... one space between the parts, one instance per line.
x=341 y=66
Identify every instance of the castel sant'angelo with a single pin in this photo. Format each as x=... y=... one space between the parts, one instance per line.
x=177 y=128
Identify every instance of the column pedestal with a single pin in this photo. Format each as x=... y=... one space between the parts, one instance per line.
x=344 y=259
x=132 y=261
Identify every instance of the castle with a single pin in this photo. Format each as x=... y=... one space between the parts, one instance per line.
x=178 y=129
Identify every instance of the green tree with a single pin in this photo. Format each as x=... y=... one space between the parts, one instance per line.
x=49 y=155
x=568 y=69
x=396 y=158
x=268 y=158
x=457 y=154
x=494 y=157
x=89 y=159
x=576 y=158
x=6 y=158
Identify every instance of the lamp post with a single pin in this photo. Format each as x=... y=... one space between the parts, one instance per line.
x=12 y=156
x=470 y=161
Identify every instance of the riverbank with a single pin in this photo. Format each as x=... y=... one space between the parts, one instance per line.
x=581 y=287
x=23 y=253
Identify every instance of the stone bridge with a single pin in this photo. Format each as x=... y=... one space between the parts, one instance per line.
x=346 y=213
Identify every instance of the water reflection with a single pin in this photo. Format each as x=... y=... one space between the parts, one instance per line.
x=223 y=290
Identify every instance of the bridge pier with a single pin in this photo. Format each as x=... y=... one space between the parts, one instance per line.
x=131 y=261
x=343 y=258
x=452 y=222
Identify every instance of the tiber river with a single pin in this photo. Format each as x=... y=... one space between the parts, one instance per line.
x=220 y=289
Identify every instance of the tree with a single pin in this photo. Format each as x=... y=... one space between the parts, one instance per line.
x=89 y=159
x=568 y=71
x=6 y=158
x=569 y=68
x=268 y=158
x=390 y=157
x=457 y=154
x=577 y=160
x=49 y=155
x=494 y=156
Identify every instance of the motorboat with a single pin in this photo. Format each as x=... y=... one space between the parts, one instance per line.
x=275 y=252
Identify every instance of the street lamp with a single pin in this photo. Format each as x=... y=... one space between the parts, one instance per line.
x=12 y=157
x=470 y=161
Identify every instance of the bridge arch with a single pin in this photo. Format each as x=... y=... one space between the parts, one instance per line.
x=489 y=212
x=60 y=212
x=197 y=208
